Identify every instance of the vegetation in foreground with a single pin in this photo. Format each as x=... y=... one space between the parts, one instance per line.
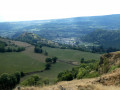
x=9 y=81
x=87 y=69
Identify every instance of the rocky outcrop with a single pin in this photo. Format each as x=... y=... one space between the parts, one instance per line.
x=112 y=78
x=108 y=60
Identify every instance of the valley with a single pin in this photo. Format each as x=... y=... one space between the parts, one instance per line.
x=29 y=61
x=81 y=53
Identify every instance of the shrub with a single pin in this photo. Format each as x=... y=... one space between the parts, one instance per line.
x=54 y=59
x=47 y=66
x=113 y=68
x=9 y=81
x=81 y=73
x=35 y=80
x=48 y=60
x=65 y=76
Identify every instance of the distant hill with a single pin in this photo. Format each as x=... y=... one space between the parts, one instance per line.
x=106 y=38
x=75 y=27
x=80 y=29
x=35 y=39
x=69 y=27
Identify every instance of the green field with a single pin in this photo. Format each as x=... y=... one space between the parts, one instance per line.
x=28 y=61
x=54 y=71
x=70 y=55
x=11 y=62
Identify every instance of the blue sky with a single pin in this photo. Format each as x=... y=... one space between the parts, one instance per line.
x=20 y=10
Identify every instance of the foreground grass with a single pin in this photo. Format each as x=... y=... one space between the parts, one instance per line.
x=53 y=72
x=71 y=55
x=12 y=62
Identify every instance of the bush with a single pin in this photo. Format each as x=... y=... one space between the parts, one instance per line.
x=47 y=66
x=85 y=70
x=65 y=76
x=91 y=74
x=35 y=80
x=81 y=73
x=54 y=59
x=9 y=81
x=38 y=49
x=48 y=60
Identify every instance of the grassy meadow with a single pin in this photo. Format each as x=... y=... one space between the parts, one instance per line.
x=53 y=72
x=70 y=55
x=11 y=62
x=28 y=61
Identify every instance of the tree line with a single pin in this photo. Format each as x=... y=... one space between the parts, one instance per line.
x=6 y=48
x=38 y=49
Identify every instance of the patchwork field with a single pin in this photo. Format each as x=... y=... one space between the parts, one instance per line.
x=28 y=61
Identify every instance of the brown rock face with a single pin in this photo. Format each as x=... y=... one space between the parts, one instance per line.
x=112 y=78
x=108 y=60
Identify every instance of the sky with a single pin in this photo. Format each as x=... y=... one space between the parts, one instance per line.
x=22 y=10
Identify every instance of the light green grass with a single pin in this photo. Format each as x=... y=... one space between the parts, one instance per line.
x=12 y=62
x=53 y=72
x=55 y=69
x=70 y=55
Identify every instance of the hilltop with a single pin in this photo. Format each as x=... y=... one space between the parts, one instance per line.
x=35 y=39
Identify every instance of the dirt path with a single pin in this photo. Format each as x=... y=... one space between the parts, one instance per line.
x=29 y=51
x=69 y=62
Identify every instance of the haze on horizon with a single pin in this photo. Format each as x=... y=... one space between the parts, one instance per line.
x=23 y=10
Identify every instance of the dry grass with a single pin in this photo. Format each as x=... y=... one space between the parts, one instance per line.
x=84 y=84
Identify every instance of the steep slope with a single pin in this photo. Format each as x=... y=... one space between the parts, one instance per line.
x=112 y=78
x=109 y=62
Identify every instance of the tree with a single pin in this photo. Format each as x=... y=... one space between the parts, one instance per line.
x=4 y=81
x=46 y=53
x=65 y=76
x=18 y=76
x=38 y=49
x=54 y=59
x=48 y=60
x=47 y=66
x=2 y=48
x=82 y=60
x=9 y=81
